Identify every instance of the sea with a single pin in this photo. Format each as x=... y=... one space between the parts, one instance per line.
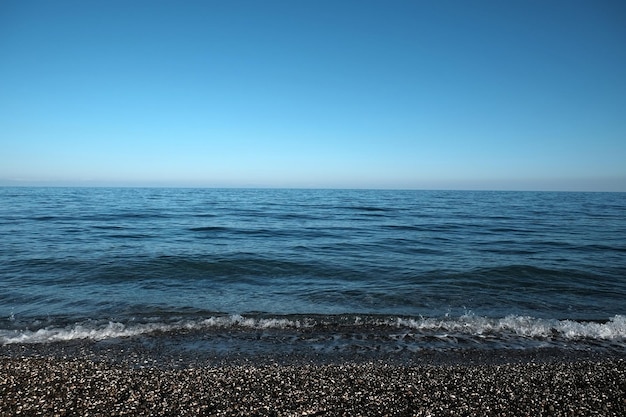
x=223 y=273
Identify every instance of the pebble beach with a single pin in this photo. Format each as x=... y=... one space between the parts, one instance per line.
x=81 y=386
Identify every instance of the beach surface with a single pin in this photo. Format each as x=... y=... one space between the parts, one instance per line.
x=82 y=386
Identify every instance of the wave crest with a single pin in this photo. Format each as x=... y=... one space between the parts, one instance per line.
x=523 y=327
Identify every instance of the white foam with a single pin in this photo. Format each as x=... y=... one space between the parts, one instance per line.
x=116 y=330
x=255 y=323
x=523 y=326
x=468 y=325
x=77 y=331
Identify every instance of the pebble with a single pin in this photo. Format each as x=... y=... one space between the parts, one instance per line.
x=80 y=386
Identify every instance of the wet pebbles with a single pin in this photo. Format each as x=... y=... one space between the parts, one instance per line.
x=83 y=387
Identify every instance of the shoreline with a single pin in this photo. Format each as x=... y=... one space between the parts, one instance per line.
x=82 y=385
x=177 y=353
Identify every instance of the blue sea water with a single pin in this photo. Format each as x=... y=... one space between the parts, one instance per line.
x=313 y=270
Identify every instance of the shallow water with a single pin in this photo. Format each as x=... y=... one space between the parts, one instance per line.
x=313 y=270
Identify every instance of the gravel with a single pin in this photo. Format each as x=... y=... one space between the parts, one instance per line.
x=80 y=386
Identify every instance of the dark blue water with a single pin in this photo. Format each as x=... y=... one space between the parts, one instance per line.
x=313 y=269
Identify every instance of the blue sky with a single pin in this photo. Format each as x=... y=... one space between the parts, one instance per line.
x=365 y=94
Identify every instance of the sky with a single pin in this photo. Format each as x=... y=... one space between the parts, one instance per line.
x=441 y=94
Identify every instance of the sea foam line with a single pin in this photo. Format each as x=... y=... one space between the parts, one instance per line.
x=520 y=326
x=112 y=329
x=523 y=326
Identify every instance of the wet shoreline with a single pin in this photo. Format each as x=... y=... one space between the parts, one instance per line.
x=181 y=352
x=158 y=376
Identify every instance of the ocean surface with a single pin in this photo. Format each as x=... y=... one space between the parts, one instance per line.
x=258 y=271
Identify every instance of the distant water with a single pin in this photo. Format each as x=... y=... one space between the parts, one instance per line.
x=259 y=270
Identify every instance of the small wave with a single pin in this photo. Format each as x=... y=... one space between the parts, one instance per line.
x=467 y=326
x=257 y=323
x=209 y=229
x=77 y=331
x=110 y=330
x=367 y=209
x=523 y=326
x=108 y=227
x=130 y=236
x=45 y=218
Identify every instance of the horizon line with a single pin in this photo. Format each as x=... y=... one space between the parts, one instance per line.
x=183 y=185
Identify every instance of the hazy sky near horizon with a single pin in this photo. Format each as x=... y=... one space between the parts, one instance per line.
x=377 y=94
